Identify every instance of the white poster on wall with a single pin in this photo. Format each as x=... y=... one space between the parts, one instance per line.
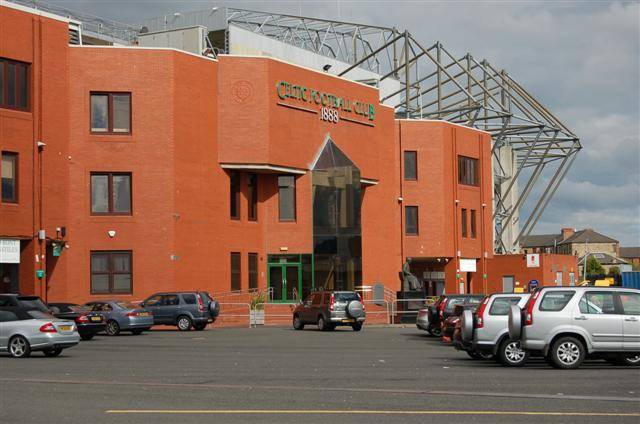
x=9 y=251
x=467 y=265
x=533 y=260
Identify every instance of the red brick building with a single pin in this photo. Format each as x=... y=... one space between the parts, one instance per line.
x=129 y=170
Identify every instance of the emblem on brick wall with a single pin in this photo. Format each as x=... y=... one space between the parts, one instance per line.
x=241 y=91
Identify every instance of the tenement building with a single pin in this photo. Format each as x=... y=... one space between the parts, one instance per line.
x=128 y=170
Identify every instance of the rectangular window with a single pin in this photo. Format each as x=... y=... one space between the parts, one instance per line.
x=473 y=223
x=463 y=222
x=110 y=193
x=111 y=113
x=597 y=303
x=252 y=188
x=410 y=165
x=467 y=171
x=235 y=271
x=9 y=172
x=111 y=272
x=253 y=270
x=14 y=84
x=555 y=301
x=287 y=197
x=411 y=220
x=234 y=194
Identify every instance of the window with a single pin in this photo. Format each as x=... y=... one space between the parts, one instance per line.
x=467 y=171
x=555 y=301
x=473 y=223
x=154 y=301
x=14 y=85
x=252 y=185
x=287 y=197
x=253 y=270
x=234 y=199
x=111 y=272
x=189 y=299
x=110 y=193
x=463 y=222
x=170 y=300
x=630 y=303
x=501 y=305
x=235 y=271
x=410 y=165
x=7 y=316
x=9 y=171
x=597 y=303
x=111 y=113
x=411 y=220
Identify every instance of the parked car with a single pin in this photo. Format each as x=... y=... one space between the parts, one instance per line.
x=431 y=320
x=486 y=333
x=567 y=324
x=25 y=327
x=327 y=310
x=448 y=325
x=122 y=316
x=89 y=323
x=183 y=309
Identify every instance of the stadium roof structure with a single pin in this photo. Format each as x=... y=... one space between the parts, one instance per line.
x=433 y=83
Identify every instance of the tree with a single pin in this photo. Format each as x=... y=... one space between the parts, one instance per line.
x=614 y=270
x=594 y=267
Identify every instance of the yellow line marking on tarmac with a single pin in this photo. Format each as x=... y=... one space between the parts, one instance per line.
x=361 y=412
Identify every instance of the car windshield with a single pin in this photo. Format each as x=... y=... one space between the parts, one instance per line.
x=35 y=314
x=32 y=303
x=345 y=297
x=127 y=305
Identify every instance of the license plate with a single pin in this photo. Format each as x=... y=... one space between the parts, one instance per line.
x=143 y=314
x=347 y=320
x=96 y=319
x=65 y=328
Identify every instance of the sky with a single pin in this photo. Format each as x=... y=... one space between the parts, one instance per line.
x=581 y=59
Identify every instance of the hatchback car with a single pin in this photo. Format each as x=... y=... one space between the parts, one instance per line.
x=122 y=316
x=183 y=309
x=327 y=310
x=89 y=323
x=24 y=330
x=567 y=324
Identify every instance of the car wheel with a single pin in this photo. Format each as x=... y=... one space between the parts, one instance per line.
x=357 y=326
x=510 y=354
x=435 y=330
x=297 y=323
x=87 y=337
x=567 y=353
x=184 y=323
x=52 y=352
x=113 y=328
x=200 y=327
x=137 y=332
x=19 y=347
x=322 y=325
x=625 y=360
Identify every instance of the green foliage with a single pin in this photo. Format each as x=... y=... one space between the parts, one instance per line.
x=614 y=270
x=594 y=267
x=258 y=300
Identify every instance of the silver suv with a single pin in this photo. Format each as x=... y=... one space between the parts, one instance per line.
x=565 y=324
x=488 y=333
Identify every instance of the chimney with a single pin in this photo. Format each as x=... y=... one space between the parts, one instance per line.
x=567 y=232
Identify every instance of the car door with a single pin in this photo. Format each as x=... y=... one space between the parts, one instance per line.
x=306 y=309
x=168 y=309
x=6 y=318
x=630 y=302
x=152 y=305
x=597 y=314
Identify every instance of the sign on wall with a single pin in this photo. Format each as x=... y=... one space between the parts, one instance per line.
x=467 y=265
x=9 y=251
x=333 y=108
x=533 y=260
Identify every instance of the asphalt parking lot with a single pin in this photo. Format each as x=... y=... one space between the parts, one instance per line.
x=277 y=375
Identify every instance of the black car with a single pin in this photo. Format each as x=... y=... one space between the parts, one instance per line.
x=443 y=307
x=183 y=309
x=327 y=310
x=89 y=323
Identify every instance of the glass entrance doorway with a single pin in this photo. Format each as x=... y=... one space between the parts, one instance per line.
x=289 y=277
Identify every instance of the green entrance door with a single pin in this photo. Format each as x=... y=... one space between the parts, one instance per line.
x=285 y=282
